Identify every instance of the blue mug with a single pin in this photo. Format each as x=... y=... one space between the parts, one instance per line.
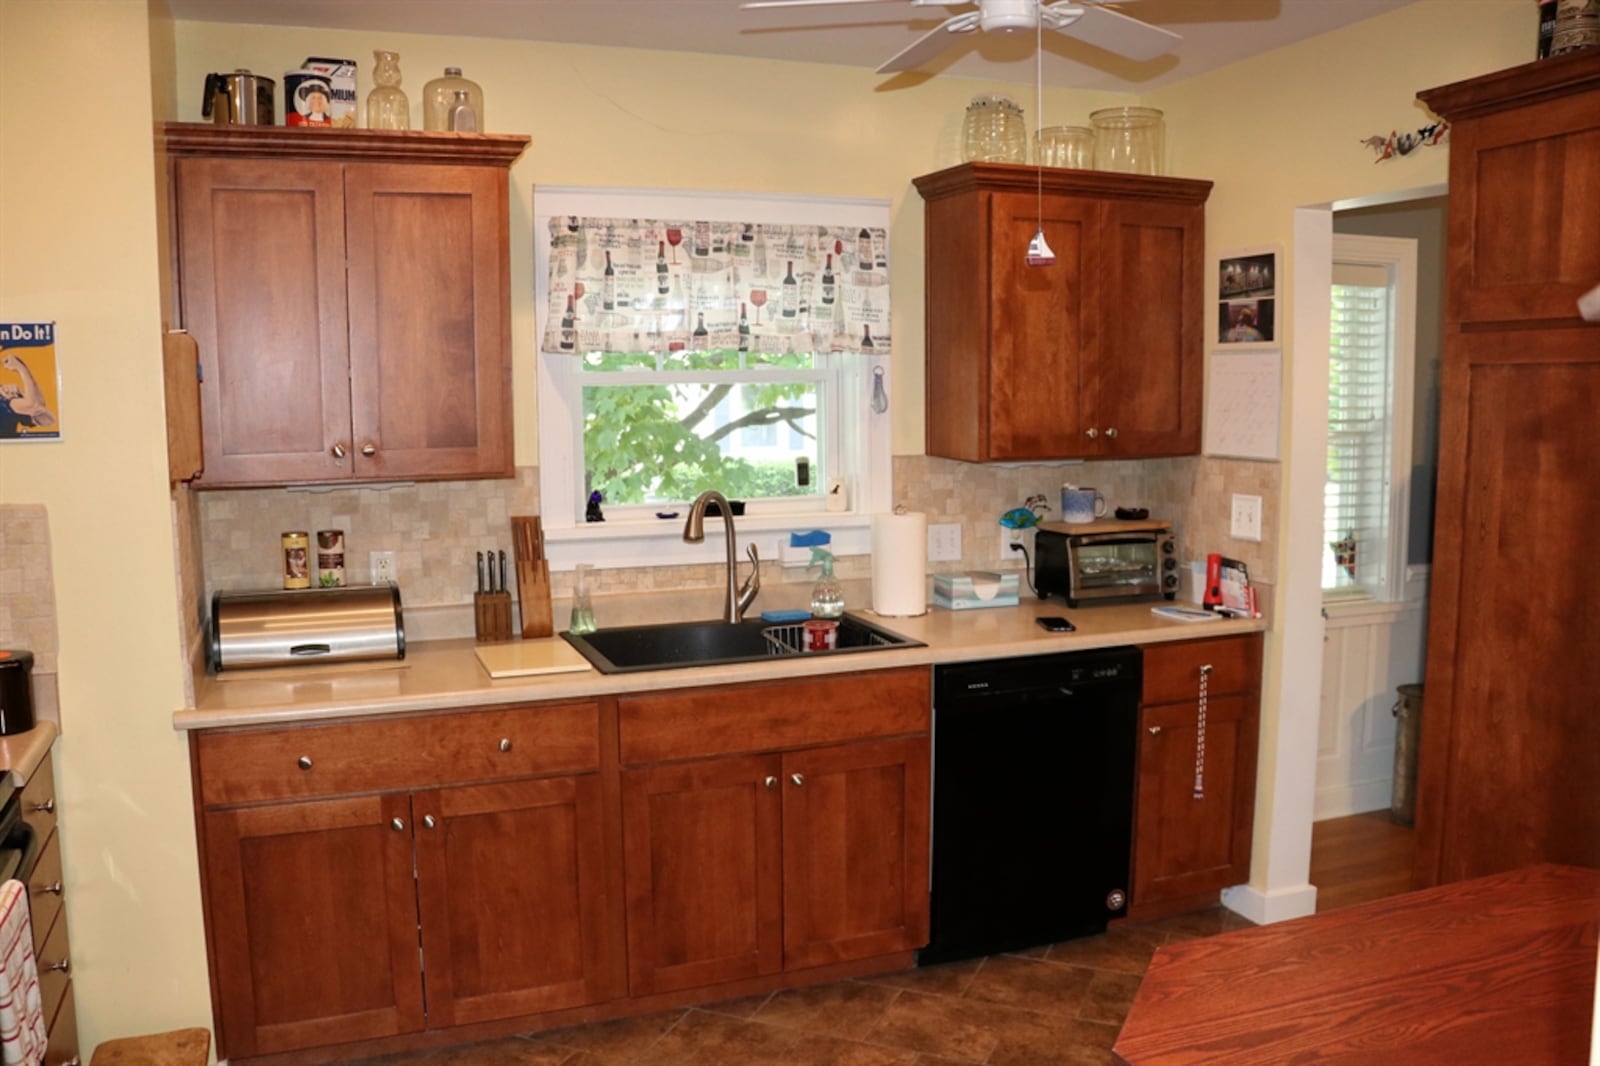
x=1080 y=506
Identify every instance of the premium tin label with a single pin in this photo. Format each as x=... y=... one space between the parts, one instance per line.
x=330 y=558
x=296 y=560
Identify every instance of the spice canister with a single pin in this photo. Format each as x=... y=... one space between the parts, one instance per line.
x=1577 y=26
x=330 y=558
x=296 y=560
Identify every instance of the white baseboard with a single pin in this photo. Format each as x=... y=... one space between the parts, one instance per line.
x=1356 y=797
x=1265 y=908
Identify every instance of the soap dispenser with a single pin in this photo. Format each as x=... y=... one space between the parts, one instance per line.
x=827 y=596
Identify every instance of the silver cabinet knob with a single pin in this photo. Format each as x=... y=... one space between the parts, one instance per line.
x=1092 y=432
x=427 y=821
x=505 y=743
x=304 y=762
x=397 y=825
x=771 y=782
x=797 y=779
x=64 y=966
x=1154 y=730
x=1112 y=433
x=45 y=807
x=369 y=449
x=52 y=889
x=338 y=450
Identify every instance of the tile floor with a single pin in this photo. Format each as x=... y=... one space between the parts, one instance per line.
x=1063 y=1004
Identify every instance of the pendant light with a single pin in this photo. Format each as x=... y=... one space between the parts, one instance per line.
x=1039 y=252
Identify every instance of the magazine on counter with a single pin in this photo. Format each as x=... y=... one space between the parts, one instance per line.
x=1228 y=588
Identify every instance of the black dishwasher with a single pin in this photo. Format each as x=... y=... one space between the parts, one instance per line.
x=1033 y=777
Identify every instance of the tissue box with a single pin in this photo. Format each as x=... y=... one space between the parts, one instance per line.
x=973 y=589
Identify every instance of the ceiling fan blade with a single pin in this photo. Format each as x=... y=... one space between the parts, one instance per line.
x=754 y=4
x=1111 y=30
x=930 y=44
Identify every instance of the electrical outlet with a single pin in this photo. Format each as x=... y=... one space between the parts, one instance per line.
x=944 y=542
x=383 y=569
x=1246 y=524
x=1009 y=536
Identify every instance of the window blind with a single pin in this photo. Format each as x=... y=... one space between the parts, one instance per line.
x=1360 y=397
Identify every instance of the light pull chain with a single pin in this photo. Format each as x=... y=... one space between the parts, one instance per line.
x=1200 y=736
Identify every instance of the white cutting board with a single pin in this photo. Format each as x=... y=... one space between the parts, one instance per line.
x=523 y=658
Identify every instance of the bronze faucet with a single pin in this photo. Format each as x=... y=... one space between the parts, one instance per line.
x=694 y=532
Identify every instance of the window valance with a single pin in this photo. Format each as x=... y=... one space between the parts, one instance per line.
x=650 y=285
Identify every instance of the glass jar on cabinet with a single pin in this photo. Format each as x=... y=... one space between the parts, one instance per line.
x=439 y=101
x=387 y=106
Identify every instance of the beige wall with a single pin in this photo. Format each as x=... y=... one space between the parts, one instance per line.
x=84 y=251
x=78 y=245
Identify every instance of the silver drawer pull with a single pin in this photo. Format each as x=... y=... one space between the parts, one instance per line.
x=797 y=779
x=397 y=825
x=1154 y=730
x=1112 y=432
x=46 y=807
x=64 y=966
x=771 y=782
x=304 y=762
x=52 y=889
x=1091 y=433
x=338 y=450
x=427 y=821
x=505 y=743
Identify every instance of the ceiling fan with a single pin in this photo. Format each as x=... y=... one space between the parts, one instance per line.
x=1089 y=21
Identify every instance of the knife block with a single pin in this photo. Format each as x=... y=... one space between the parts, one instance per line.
x=491 y=616
x=533 y=593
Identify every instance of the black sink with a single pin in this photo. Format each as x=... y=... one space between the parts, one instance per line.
x=627 y=649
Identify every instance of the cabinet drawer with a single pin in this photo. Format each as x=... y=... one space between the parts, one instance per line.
x=55 y=967
x=39 y=800
x=44 y=891
x=397 y=753
x=695 y=723
x=1172 y=671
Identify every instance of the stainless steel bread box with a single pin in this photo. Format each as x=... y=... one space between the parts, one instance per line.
x=256 y=629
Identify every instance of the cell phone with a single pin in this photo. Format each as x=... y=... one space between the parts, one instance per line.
x=1055 y=624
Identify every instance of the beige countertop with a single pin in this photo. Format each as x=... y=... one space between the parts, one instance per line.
x=21 y=753
x=445 y=674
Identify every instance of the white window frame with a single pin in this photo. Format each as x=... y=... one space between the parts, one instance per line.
x=1397 y=258
x=860 y=434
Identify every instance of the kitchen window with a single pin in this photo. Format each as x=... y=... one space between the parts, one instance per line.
x=1371 y=354
x=709 y=399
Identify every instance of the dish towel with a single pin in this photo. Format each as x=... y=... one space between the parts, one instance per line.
x=22 y=1025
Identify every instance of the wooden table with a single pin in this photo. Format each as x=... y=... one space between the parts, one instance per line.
x=1497 y=969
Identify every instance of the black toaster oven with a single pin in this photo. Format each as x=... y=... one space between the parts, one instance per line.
x=1113 y=561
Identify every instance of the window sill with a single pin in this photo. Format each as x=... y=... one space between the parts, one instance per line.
x=610 y=545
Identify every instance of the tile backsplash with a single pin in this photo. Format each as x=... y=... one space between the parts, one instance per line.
x=435 y=529
x=27 y=584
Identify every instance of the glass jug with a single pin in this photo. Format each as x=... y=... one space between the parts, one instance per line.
x=1127 y=139
x=993 y=131
x=439 y=97
x=582 y=620
x=387 y=106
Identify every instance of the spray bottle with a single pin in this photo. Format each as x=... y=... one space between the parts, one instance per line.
x=827 y=596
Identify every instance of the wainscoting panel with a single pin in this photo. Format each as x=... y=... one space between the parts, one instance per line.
x=1369 y=649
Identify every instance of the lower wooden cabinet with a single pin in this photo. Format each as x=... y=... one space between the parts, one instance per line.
x=1195 y=799
x=379 y=879
x=419 y=906
x=737 y=867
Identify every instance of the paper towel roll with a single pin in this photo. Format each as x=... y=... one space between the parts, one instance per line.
x=900 y=564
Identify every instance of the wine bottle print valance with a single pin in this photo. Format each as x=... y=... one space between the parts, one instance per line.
x=647 y=285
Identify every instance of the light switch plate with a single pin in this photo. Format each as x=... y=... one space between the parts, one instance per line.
x=1246 y=523
x=944 y=542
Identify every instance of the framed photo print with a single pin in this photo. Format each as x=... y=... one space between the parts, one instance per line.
x=1247 y=290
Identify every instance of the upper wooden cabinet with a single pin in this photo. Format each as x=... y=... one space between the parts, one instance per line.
x=1096 y=356
x=349 y=291
x=1509 y=760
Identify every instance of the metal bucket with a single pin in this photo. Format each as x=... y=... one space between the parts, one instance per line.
x=1407 y=735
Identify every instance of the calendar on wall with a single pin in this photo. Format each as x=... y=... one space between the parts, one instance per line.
x=1244 y=397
